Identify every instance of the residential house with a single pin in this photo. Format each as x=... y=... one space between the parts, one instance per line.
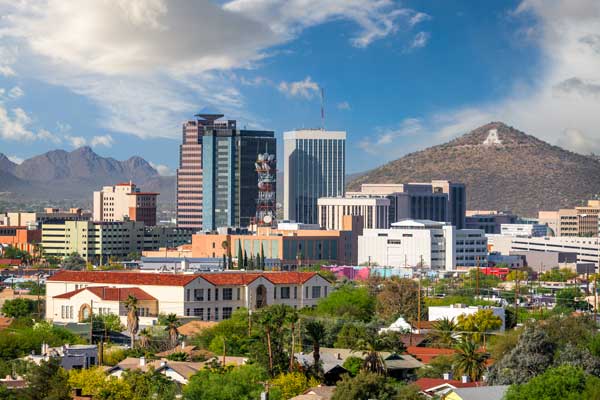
x=439 y=387
x=478 y=393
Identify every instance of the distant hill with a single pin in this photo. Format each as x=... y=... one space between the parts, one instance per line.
x=503 y=168
x=62 y=175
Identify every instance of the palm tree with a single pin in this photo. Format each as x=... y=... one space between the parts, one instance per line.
x=133 y=321
x=172 y=325
x=144 y=338
x=370 y=350
x=469 y=360
x=315 y=331
x=443 y=332
x=293 y=320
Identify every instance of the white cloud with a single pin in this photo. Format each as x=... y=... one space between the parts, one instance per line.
x=420 y=40
x=76 y=141
x=43 y=134
x=6 y=70
x=305 y=88
x=163 y=170
x=14 y=125
x=418 y=18
x=16 y=92
x=116 y=52
x=16 y=159
x=104 y=140
x=344 y=105
x=386 y=135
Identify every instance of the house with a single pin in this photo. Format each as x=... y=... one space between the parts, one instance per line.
x=316 y=393
x=426 y=354
x=478 y=393
x=438 y=387
x=400 y=366
x=72 y=295
x=75 y=356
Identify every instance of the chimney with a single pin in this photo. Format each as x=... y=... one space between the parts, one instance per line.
x=142 y=361
x=447 y=376
x=182 y=344
x=464 y=379
x=339 y=356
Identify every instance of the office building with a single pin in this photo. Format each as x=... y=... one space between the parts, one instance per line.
x=217 y=178
x=34 y=220
x=71 y=296
x=125 y=201
x=578 y=221
x=535 y=230
x=373 y=210
x=439 y=200
x=489 y=221
x=20 y=237
x=422 y=244
x=314 y=167
x=99 y=241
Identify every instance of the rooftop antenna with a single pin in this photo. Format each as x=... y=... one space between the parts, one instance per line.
x=322 y=108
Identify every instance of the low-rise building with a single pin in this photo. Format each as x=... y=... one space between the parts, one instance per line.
x=72 y=295
x=374 y=210
x=424 y=244
x=535 y=230
x=578 y=221
x=490 y=222
x=74 y=356
x=34 y=220
x=20 y=237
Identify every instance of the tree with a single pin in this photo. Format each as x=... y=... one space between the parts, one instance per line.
x=292 y=384
x=149 y=385
x=144 y=338
x=172 y=325
x=437 y=367
x=19 y=308
x=94 y=382
x=372 y=361
x=443 y=333
x=410 y=392
x=532 y=355
x=515 y=274
x=558 y=275
x=566 y=299
x=133 y=320
x=245 y=259
x=240 y=256
x=365 y=385
x=565 y=382
x=48 y=381
x=350 y=334
x=315 y=331
x=469 y=361
x=226 y=383
x=261 y=265
x=479 y=323
x=353 y=365
x=73 y=262
x=348 y=302
x=133 y=256
x=399 y=297
x=271 y=333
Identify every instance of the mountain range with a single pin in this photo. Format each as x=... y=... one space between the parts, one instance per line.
x=61 y=175
x=503 y=168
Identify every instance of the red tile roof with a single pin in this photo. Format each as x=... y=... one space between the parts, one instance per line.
x=124 y=278
x=426 y=384
x=110 y=294
x=426 y=354
x=154 y=279
x=10 y=261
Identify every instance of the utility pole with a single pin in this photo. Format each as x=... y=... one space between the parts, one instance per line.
x=477 y=278
x=517 y=296
x=91 y=321
x=419 y=305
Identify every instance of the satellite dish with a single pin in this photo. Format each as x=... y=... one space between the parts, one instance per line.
x=267 y=219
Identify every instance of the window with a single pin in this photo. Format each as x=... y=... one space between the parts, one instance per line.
x=306 y=292
x=228 y=294
x=208 y=295
x=187 y=312
x=227 y=312
x=316 y=292
x=275 y=292
x=285 y=292
x=295 y=292
x=199 y=294
x=208 y=314
x=325 y=291
x=199 y=312
x=71 y=312
x=188 y=294
x=216 y=313
x=216 y=295
x=238 y=293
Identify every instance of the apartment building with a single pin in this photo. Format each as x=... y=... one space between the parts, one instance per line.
x=373 y=210
x=98 y=241
x=125 y=201
x=424 y=244
x=71 y=296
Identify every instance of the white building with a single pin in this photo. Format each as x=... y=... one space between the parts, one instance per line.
x=452 y=312
x=72 y=295
x=124 y=201
x=314 y=166
x=424 y=243
x=374 y=210
x=535 y=230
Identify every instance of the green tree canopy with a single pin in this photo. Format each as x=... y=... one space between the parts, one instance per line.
x=19 y=307
x=228 y=383
x=348 y=302
x=365 y=385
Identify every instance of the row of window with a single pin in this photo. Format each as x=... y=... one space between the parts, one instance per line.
x=199 y=312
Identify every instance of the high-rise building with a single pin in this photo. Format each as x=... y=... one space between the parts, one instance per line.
x=125 y=201
x=216 y=179
x=314 y=167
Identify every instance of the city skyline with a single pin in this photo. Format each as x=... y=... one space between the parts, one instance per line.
x=397 y=76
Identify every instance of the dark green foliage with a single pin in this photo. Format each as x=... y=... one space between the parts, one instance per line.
x=437 y=367
x=149 y=385
x=18 y=342
x=48 y=381
x=364 y=386
x=235 y=330
x=350 y=334
x=242 y=383
x=73 y=262
x=566 y=300
x=348 y=302
x=565 y=383
x=353 y=365
x=19 y=308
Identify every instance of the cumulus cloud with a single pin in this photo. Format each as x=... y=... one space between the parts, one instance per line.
x=16 y=92
x=104 y=140
x=76 y=141
x=15 y=124
x=305 y=88
x=344 y=105
x=43 y=134
x=420 y=40
x=163 y=170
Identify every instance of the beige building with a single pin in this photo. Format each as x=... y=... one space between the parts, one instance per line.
x=374 y=210
x=578 y=221
x=72 y=295
x=125 y=201
x=31 y=219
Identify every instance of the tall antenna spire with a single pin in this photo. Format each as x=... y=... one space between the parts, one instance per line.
x=322 y=108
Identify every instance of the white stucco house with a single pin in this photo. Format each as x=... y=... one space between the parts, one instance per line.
x=72 y=295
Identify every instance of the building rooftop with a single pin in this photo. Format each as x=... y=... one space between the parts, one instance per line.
x=421 y=223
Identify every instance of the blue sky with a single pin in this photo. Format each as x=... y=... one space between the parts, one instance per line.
x=398 y=75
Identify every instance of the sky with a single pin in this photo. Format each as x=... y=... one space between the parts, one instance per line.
x=122 y=76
